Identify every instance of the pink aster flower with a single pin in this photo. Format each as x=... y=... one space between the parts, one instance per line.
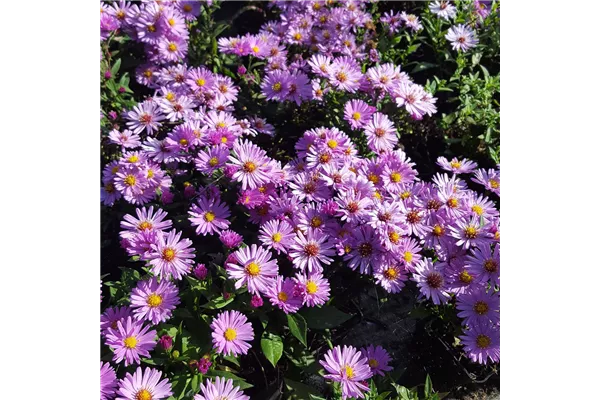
x=112 y=315
x=131 y=340
x=281 y=293
x=212 y=158
x=144 y=385
x=277 y=235
x=490 y=179
x=391 y=276
x=309 y=252
x=230 y=239
x=366 y=252
x=482 y=342
x=108 y=381
x=222 y=389
x=344 y=74
x=484 y=264
x=314 y=288
x=378 y=359
x=146 y=116
x=443 y=9
x=470 y=233
x=209 y=216
x=171 y=256
x=430 y=281
x=381 y=133
x=457 y=166
x=252 y=163
x=414 y=99
x=461 y=37
x=358 y=113
x=231 y=333
x=479 y=307
x=146 y=220
x=349 y=367
x=126 y=139
x=154 y=301
x=254 y=267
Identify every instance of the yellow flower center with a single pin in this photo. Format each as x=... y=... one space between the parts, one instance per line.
x=494 y=183
x=452 y=202
x=230 y=334
x=133 y=159
x=405 y=195
x=349 y=371
x=213 y=161
x=154 y=300
x=172 y=47
x=183 y=142
x=394 y=237
x=377 y=195
x=253 y=269
x=282 y=296
x=224 y=139
x=332 y=144
x=255 y=49
x=130 y=180
x=311 y=287
x=150 y=174
x=276 y=237
x=168 y=254
x=249 y=166
x=209 y=216
x=395 y=177
x=130 y=342
x=438 y=230
x=390 y=274
x=145 y=226
x=297 y=36
x=455 y=164
x=315 y=222
x=465 y=277
x=490 y=265
x=373 y=363
x=483 y=341
x=356 y=116
x=147 y=73
x=276 y=87
x=341 y=76
x=171 y=21
x=373 y=178
x=477 y=209
x=480 y=307
x=470 y=232
x=200 y=81
x=151 y=28
x=408 y=256
x=143 y=395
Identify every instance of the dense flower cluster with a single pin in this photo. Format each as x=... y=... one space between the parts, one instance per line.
x=330 y=206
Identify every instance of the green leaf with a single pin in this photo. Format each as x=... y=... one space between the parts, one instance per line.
x=326 y=317
x=272 y=348
x=232 y=360
x=383 y=396
x=423 y=66
x=224 y=374
x=116 y=67
x=297 y=326
x=428 y=386
x=301 y=391
x=195 y=383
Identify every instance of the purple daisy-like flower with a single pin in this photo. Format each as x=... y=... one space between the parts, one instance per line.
x=358 y=113
x=252 y=165
x=482 y=341
x=112 y=315
x=231 y=333
x=154 y=301
x=381 y=133
x=470 y=233
x=276 y=85
x=171 y=255
x=314 y=288
x=209 y=216
x=222 y=389
x=490 y=179
x=146 y=116
x=254 y=268
x=131 y=340
x=349 y=367
x=353 y=207
x=310 y=251
x=457 y=166
x=211 y=159
x=461 y=37
x=479 y=307
x=366 y=250
x=125 y=139
x=484 y=264
x=391 y=276
x=146 y=221
x=378 y=359
x=282 y=294
x=430 y=281
x=277 y=235
x=144 y=385
x=108 y=381
x=344 y=74
x=230 y=239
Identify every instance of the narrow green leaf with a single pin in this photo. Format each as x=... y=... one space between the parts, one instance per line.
x=428 y=386
x=297 y=326
x=116 y=67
